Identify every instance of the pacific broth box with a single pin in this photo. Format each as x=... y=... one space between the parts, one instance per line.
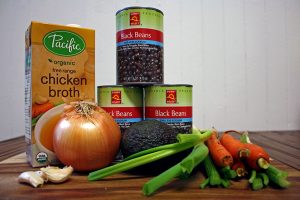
x=59 y=68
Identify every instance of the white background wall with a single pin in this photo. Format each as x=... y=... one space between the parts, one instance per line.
x=242 y=56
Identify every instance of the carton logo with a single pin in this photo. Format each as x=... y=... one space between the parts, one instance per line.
x=116 y=97
x=64 y=43
x=171 y=96
x=135 y=18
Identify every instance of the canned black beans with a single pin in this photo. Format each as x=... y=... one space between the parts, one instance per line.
x=123 y=103
x=140 y=46
x=171 y=104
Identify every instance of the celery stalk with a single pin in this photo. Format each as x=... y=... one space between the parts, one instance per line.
x=264 y=178
x=200 y=136
x=183 y=168
x=204 y=184
x=228 y=173
x=253 y=176
x=135 y=162
x=225 y=183
x=151 y=186
x=277 y=172
x=257 y=183
x=212 y=173
x=152 y=150
x=213 y=176
x=195 y=137
x=198 y=154
x=277 y=176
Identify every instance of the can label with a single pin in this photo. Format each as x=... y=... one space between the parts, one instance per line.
x=171 y=105
x=116 y=97
x=124 y=104
x=135 y=18
x=139 y=46
x=171 y=96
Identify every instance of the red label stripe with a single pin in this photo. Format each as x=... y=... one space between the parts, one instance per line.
x=169 y=112
x=139 y=34
x=124 y=112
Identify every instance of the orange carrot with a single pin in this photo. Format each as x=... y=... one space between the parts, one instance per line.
x=38 y=109
x=235 y=147
x=219 y=154
x=239 y=168
x=258 y=157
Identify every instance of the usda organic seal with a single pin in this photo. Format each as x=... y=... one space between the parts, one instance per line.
x=41 y=157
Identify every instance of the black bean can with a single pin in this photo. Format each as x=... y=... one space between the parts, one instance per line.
x=140 y=51
x=123 y=103
x=171 y=104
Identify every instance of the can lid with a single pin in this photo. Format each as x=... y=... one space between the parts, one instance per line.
x=170 y=85
x=114 y=86
x=138 y=7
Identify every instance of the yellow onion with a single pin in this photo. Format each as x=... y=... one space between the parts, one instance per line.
x=86 y=137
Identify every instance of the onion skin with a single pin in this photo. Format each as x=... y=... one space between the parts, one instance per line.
x=86 y=143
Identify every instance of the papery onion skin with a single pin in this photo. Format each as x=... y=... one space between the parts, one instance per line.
x=86 y=143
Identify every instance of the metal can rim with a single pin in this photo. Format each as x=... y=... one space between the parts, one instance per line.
x=170 y=85
x=141 y=84
x=114 y=86
x=139 y=7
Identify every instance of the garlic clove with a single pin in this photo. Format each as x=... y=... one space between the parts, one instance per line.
x=42 y=175
x=56 y=174
x=33 y=178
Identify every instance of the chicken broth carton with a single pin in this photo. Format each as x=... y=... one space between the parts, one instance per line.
x=59 y=68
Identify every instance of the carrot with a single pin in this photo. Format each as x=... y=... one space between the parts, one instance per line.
x=239 y=168
x=218 y=152
x=38 y=109
x=235 y=147
x=258 y=158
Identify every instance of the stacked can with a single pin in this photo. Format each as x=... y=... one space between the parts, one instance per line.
x=140 y=93
x=123 y=103
x=139 y=46
x=171 y=104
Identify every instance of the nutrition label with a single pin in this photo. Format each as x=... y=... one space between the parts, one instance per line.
x=28 y=94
